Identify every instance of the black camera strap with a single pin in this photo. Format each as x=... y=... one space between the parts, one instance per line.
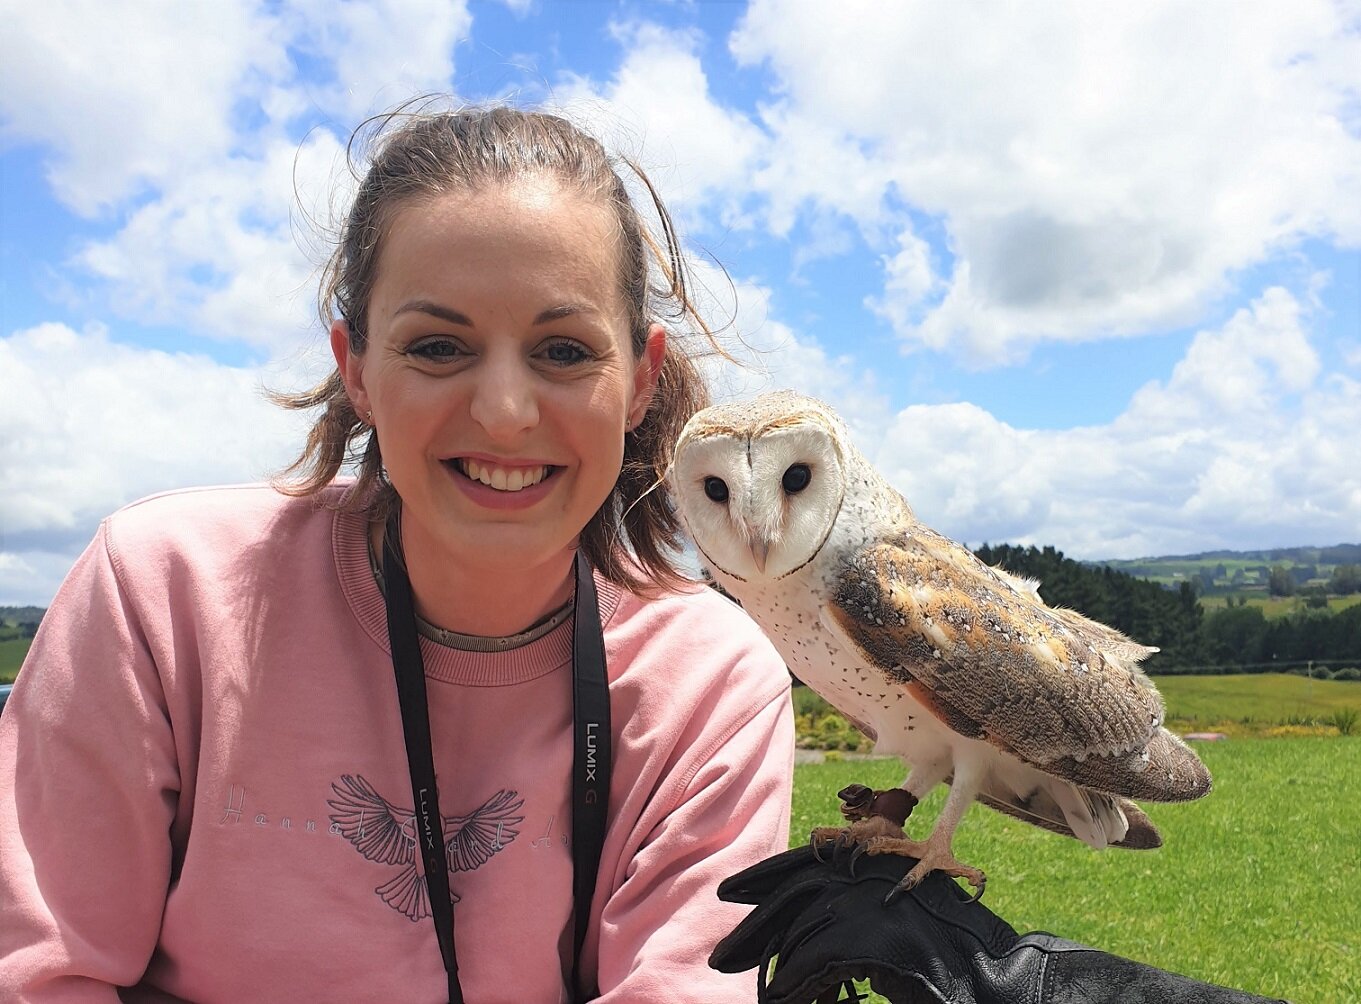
x=591 y=750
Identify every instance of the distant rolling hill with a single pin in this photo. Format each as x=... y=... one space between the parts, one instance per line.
x=1239 y=570
x=1337 y=554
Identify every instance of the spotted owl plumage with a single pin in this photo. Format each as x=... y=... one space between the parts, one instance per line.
x=960 y=669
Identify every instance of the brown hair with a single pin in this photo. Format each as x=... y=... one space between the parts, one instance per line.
x=423 y=154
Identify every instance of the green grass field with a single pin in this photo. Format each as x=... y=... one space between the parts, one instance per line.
x=12 y=652
x=1243 y=705
x=1281 y=606
x=1237 y=704
x=1255 y=886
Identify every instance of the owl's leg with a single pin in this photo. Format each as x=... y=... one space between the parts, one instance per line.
x=933 y=853
x=925 y=776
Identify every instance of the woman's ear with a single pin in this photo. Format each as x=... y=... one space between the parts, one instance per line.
x=350 y=365
x=647 y=373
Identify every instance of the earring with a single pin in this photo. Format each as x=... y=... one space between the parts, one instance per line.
x=368 y=417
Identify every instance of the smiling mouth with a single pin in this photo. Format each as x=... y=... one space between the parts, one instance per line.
x=503 y=479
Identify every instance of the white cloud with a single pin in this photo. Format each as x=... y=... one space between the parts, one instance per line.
x=658 y=108
x=126 y=96
x=91 y=425
x=229 y=250
x=1098 y=169
x=1238 y=448
x=813 y=163
x=909 y=279
x=131 y=97
x=1260 y=357
x=766 y=354
x=381 y=53
x=214 y=203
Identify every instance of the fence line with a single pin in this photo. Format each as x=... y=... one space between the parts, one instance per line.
x=1276 y=666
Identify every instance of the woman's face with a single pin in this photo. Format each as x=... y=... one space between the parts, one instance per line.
x=499 y=370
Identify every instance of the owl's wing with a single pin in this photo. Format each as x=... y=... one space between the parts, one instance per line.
x=1114 y=644
x=992 y=662
x=370 y=822
x=477 y=836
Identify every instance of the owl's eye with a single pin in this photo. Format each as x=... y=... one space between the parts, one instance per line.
x=716 y=489
x=796 y=479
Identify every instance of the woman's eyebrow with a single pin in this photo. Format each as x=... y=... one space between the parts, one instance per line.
x=434 y=310
x=454 y=317
x=564 y=310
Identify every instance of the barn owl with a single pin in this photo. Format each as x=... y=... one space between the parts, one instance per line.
x=958 y=668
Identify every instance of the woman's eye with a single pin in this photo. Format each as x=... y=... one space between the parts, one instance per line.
x=565 y=353
x=436 y=349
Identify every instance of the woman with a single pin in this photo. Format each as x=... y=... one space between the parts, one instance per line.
x=208 y=788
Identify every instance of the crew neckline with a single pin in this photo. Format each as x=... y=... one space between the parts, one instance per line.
x=539 y=657
x=474 y=642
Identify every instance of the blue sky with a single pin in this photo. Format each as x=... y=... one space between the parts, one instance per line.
x=1081 y=274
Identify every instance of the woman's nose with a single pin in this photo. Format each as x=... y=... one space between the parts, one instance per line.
x=504 y=401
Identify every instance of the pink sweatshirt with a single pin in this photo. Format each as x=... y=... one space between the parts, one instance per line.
x=204 y=791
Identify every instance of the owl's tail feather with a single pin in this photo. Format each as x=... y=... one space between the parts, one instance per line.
x=1094 y=817
x=1101 y=820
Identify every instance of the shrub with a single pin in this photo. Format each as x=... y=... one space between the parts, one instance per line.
x=827 y=730
x=1344 y=720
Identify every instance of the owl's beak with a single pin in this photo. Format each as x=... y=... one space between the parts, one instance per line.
x=760 y=548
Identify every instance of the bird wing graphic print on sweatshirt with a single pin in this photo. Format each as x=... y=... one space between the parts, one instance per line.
x=386 y=834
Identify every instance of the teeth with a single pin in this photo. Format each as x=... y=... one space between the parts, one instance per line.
x=505 y=479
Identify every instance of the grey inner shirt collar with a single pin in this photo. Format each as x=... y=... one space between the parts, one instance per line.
x=473 y=642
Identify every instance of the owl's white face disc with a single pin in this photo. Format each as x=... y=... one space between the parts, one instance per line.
x=760 y=506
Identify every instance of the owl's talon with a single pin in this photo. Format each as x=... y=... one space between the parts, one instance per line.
x=978 y=889
x=820 y=837
x=817 y=848
x=973 y=876
x=860 y=851
x=908 y=882
x=929 y=863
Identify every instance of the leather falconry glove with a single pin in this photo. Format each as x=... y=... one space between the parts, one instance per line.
x=826 y=919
